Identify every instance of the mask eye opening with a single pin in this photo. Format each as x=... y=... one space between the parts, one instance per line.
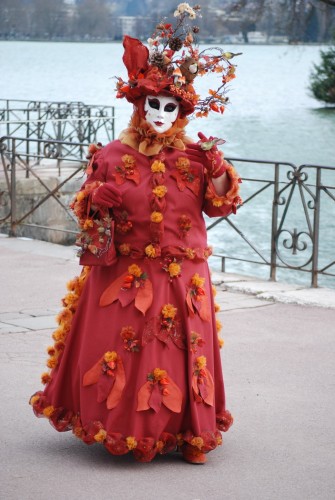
x=154 y=103
x=170 y=107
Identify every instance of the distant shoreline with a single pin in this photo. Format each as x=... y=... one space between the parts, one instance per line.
x=201 y=42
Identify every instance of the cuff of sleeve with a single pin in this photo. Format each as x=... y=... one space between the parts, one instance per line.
x=82 y=201
x=218 y=164
x=232 y=196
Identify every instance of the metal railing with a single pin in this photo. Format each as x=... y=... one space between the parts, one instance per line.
x=286 y=222
x=66 y=122
x=290 y=225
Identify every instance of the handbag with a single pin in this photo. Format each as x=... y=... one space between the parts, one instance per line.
x=96 y=240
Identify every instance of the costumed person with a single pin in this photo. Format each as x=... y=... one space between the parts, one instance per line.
x=136 y=362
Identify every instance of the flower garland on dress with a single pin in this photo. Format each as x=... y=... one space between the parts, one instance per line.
x=64 y=319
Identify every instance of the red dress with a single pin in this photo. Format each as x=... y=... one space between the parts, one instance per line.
x=136 y=362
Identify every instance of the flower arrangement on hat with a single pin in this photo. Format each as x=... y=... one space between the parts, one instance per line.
x=172 y=62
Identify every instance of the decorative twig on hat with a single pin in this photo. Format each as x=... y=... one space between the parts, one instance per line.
x=171 y=64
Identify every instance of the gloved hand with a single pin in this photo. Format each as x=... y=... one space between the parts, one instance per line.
x=207 y=153
x=106 y=195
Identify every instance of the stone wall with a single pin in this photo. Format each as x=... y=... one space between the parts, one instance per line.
x=51 y=214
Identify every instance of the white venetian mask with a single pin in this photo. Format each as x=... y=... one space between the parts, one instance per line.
x=161 y=112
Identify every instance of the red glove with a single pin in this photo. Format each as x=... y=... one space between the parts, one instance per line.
x=207 y=153
x=106 y=195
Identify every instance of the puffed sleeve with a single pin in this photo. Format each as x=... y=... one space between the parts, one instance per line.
x=221 y=206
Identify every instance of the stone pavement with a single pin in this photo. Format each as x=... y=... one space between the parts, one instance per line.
x=278 y=361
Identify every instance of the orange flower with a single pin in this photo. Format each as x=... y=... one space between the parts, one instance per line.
x=127 y=333
x=159 y=446
x=48 y=411
x=174 y=269
x=221 y=342
x=150 y=251
x=218 y=325
x=160 y=191
x=197 y=280
x=156 y=217
x=110 y=356
x=190 y=253
x=217 y=307
x=201 y=362
x=52 y=362
x=87 y=224
x=169 y=311
x=180 y=440
x=131 y=442
x=159 y=374
x=128 y=160
x=217 y=202
x=183 y=164
x=45 y=378
x=219 y=440
x=124 y=249
x=100 y=436
x=135 y=270
x=80 y=196
x=198 y=442
x=34 y=400
x=157 y=167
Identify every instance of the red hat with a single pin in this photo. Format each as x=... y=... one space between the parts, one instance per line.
x=161 y=70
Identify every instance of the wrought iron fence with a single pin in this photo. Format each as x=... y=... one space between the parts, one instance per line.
x=287 y=220
x=68 y=123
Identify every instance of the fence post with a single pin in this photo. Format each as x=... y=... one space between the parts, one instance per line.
x=12 y=231
x=316 y=228
x=273 y=265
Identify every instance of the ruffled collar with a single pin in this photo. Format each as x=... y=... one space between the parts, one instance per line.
x=141 y=137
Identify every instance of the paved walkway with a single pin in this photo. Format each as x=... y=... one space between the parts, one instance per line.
x=279 y=370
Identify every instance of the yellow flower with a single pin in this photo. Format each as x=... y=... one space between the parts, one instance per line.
x=124 y=249
x=159 y=374
x=219 y=440
x=217 y=202
x=156 y=217
x=198 y=442
x=128 y=160
x=174 y=269
x=101 y=436
x=159 y=191
x=34 y=400
x=135 y=270
x=110 y=356
x=218 y=325
x=197 y=280
x=157 y=166
x=48 y=411
x=221 y=342
x=201 y=362
x=150 y=251
x=169 y=311
x=131 y=442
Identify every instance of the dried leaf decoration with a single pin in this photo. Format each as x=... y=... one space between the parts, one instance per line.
x=196 y=299
x=127 y=171
x=166 y=327
x=186 y=176
x=133 y=285
x=159 y=389
x=202 y=382
x=109 y=375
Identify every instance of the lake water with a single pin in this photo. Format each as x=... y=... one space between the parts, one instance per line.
x=272 y=115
